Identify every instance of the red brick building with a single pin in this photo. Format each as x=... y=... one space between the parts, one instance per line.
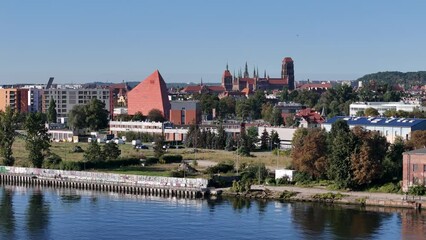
x=414 y=168
x=150 y=94
x=185 y=112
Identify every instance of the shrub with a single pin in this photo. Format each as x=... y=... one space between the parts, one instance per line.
x=222 y=167
x=52 y=161
x=328 y=196
x=282 y=181
x=287 y=194
x=151 y=160
x=171 y=159
x=417 y=190
x=72 y=166
x=302 y=178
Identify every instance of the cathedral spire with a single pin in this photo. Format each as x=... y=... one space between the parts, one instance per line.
x=246 y=74
x=201 y=83
x=254 y=72
x=264 y=74
x=227 y=66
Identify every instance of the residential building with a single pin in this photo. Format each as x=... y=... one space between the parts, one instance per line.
x=66 y=99
x=309 y=118
x=391 y=128
x=16 y=98
x=185 y=112
x=381 y=107
x=149 y=94
x=414 y=168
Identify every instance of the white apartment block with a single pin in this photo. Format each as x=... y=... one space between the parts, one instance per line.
x=381 y=107
x=66 y=99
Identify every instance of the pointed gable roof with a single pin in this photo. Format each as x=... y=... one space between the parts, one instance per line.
x=149 y=94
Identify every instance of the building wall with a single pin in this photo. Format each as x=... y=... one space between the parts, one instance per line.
x=66 y=99
x=381 y=107
x=17 y=99
x=413 y=170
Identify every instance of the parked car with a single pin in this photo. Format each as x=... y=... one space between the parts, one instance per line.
x=141 y=146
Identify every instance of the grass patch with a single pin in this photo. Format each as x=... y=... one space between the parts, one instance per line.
x=328 y=196
x=386 y=188
x=285 y=195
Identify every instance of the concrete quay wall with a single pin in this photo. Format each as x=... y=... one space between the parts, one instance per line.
x=166 y=186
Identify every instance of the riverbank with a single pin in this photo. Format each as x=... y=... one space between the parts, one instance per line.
x=292 y=193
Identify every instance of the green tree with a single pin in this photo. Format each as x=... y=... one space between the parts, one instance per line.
x=77 y=117
x=244 y=144
x=8 y=125
x=111 y=151
x=371 y=112
x=96 y=115
x=264 y=140
x=243 y=109
x=94 y=153
x=220 y=138
x=417 y=140
x=266 y=113
x=158 y=146
x=253 y=136
x=37 y=139
x=51 y=111
x=155 y=115
x=277 y=119
x=392 y=164
x=275 y=140
x=138 y=117
x=230 y=143
x=341 y=144
x=226 y=107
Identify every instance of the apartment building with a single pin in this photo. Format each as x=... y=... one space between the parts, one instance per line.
x=16 y=98
x=66 y=99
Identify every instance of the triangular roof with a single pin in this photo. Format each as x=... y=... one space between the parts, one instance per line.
x=149 y=94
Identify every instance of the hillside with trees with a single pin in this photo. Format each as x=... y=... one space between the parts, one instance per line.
x=394 y=77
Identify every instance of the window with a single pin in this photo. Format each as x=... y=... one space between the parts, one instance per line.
x=415 y=167
x=424 y=168
x=182 y=116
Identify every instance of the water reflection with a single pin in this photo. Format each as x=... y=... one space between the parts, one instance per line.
x=7 y=215
x=38 y=216
x=340 y=221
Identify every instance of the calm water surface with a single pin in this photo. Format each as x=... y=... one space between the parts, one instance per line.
x=46 y=213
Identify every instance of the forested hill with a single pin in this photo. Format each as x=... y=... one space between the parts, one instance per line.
x=392 y=78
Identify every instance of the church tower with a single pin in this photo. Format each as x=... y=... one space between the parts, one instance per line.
x=227 y=79
x=287 y=72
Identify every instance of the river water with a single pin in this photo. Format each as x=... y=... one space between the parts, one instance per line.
x=47 y=213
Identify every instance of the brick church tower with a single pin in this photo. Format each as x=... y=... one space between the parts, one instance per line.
x=149 y=94
x=287 y=72
x=227 y=79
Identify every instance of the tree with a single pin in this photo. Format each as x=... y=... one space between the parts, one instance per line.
x=92 y=115
x=264 y=140
x=267 y=110
x=111 y=151
x=138 y=117
x=158 y=146
x=371 y=112
x=276 y=118
x=155 y=115
x=220 y=138
x=230 y=143
x=417 y=140
x=37 y=139
x=226 y=107
x=51 y=111
x=392 y=164
x=243 y=109
x=96 y=115
x=253 y=137
x=341 y=144
x=8 y=125
x=367 y=157
x=77 y=117
x=244 y=144
x=310 y=155
x=275 y=140
x=94 y=153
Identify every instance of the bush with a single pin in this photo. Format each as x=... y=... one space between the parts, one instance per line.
x=72 y=166
x=222 y=167
x=171 y=159
x=151 y=160
x=328 y=196
x=417 y=190
x=387 y=188
x=302 y=178
x=283 y=181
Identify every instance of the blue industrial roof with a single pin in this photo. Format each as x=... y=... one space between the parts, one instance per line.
x=378 y=121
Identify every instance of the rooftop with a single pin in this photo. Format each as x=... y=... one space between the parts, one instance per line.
x=378 y=121
x=417 y=151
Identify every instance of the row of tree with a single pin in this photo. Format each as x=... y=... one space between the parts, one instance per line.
x=352 y=158
x=37 y=140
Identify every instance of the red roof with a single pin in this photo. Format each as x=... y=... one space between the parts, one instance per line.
x=310 y=115
x=277 y=81
x=247 y=91
x=250 y=80
x=191 y=89
x=216 y=88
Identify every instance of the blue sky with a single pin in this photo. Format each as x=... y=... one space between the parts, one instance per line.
x=103 y=40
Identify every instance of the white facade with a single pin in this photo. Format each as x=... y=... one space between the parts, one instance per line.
x=280 y=173
x=285 y=134
x=381 y=107
x=66 y=99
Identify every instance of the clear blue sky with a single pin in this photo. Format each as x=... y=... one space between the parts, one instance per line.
x=78 y=41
